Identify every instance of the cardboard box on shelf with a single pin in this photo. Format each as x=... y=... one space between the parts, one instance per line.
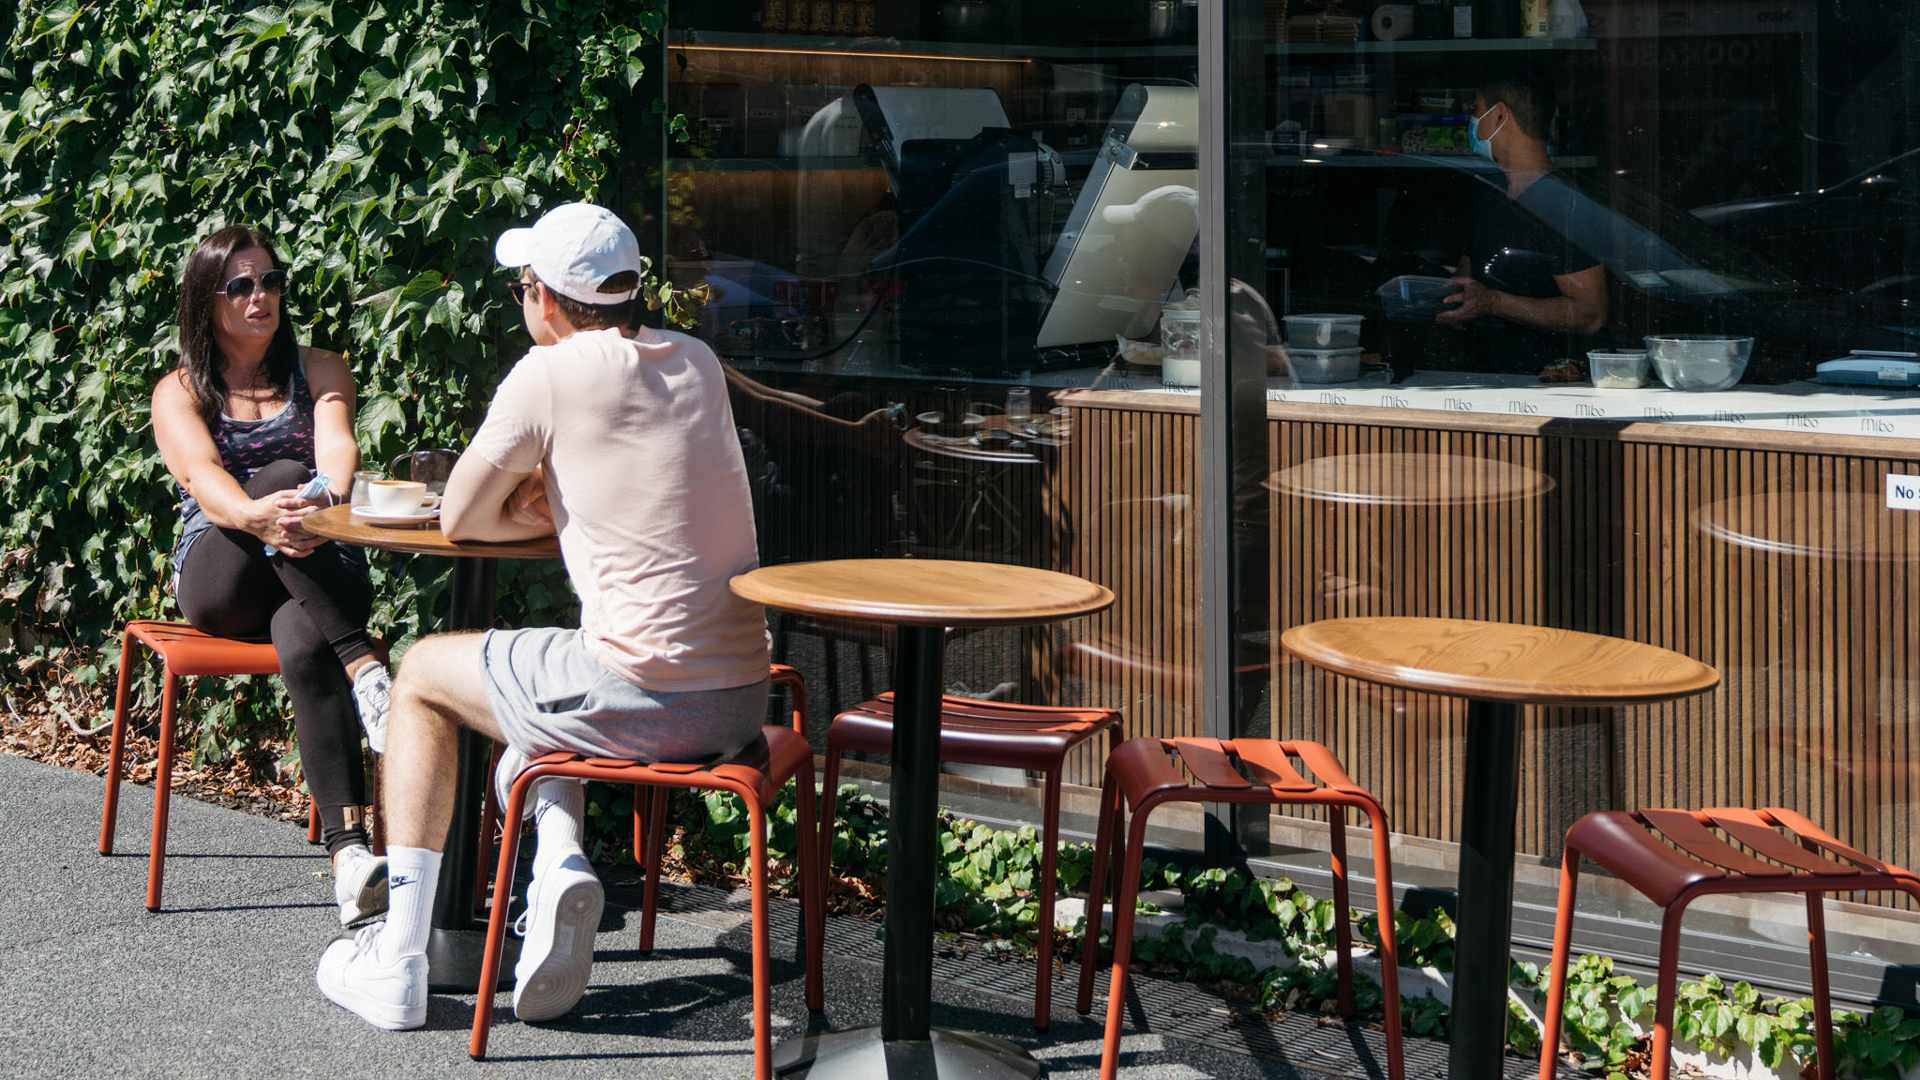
x=1352 y=116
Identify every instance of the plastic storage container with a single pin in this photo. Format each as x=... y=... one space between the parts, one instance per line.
x=1323 y=331
x=1413 y=298
x=1624 y=369
x=1324 y=365
x=1699 y=361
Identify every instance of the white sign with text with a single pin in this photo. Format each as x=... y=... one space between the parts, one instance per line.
x=1903 y=492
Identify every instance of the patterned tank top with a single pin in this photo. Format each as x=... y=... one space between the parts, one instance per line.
x=247 y=446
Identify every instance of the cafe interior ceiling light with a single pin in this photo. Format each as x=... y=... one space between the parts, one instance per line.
x=845 y=54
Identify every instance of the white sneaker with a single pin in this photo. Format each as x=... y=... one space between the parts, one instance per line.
x=556 y=931
x=359 y=884
x=373 y=696
x=390 y=995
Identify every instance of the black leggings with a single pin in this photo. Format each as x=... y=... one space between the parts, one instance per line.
x=315 y=612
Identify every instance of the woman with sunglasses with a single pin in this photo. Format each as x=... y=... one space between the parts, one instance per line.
x=248 y=419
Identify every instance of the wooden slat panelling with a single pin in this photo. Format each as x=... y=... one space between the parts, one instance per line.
x=1817 y=712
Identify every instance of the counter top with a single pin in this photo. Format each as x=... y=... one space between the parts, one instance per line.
x=1804 y=411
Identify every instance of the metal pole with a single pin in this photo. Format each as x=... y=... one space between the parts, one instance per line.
x=907 y=981
x=1484 y=919
x=459 y=939
x=1233 y=401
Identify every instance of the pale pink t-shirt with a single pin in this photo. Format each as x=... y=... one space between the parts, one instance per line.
x=649 y=493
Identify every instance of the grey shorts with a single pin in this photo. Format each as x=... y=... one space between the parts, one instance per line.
x=550 y=693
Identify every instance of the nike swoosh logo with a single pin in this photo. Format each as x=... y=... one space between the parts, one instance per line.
x=394 y=881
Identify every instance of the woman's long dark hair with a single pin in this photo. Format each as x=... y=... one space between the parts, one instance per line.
x=201 y=283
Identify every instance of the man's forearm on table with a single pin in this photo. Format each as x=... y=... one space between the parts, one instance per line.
x=487 y=526
x=1559 y=314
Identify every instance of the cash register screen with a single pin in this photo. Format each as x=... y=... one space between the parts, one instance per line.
x=896 y=114
x=1133 y=223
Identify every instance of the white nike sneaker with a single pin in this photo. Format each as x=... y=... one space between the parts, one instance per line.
x=390 y=995
x=373 y=696
x=359 y=884
x=557 y=931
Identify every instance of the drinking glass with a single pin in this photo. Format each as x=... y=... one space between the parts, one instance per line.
x=429 y=467
x=361 y=478
x=1019 y=403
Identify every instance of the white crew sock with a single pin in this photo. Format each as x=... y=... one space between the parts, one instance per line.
x=412 y=874
x=559 y=818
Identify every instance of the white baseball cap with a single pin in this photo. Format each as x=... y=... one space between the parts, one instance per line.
x=573 y=249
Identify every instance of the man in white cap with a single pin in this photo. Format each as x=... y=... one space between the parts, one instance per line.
x=632 y=443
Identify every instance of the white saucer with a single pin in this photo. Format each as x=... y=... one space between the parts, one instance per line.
x=418 y=517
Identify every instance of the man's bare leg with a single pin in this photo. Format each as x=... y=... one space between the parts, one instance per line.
x=381 y=973
x=439 y=691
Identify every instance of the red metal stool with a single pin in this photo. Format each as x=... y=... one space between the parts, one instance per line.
x=183 y=652
x=1141 y=775
x=1674 y=856
x=781 y=675
x=976 y=732
x=756 y=775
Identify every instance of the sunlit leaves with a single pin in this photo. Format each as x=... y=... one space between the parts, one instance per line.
x=383 y=142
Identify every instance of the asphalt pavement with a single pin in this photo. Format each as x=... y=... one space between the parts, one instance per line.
x=219 y=984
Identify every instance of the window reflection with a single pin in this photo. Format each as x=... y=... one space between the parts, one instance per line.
x=904 y=220
x=1654 y=280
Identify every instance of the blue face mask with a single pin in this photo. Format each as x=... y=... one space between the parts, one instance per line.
x=1483 y=147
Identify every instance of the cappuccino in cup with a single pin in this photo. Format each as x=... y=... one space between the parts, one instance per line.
x=396 y=497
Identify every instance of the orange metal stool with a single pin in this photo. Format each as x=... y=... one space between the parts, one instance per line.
x=1674 y=856
x=1142 y=774
x=781 y=675
x=184 y=652
x=1037 y=738
x=756 y=775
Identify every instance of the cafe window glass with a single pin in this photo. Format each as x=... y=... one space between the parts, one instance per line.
x=1596 y=314
x=930 y=229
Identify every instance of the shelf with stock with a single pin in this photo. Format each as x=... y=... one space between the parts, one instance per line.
x=1374 y=160
x=806 y=45
x=1334 y=160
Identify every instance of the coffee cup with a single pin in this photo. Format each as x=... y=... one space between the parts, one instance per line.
x=396 y=497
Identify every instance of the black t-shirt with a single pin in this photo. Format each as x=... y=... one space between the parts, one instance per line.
x=1519 y=246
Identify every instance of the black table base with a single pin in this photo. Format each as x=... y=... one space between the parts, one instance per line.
x=454 y=957
x=865 y=1054
x=1483 y=922
x=905 y=1044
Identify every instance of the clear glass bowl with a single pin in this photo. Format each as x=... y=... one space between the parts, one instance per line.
x=1699 y=361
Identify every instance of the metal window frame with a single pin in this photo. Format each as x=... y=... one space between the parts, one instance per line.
x=1233 y=423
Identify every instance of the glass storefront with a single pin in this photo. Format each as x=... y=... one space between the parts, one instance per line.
x=925 y=226
x=1598 y=315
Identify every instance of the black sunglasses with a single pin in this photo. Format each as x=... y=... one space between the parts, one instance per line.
x=273 y=281
x=518 y=290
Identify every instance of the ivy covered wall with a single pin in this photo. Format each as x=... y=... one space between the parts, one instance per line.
x=385 y=142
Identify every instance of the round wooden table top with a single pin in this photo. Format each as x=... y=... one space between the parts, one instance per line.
x=337 y=523
x=1850 y=526
x=1529 y=665
x=1410 y=480
x=923 y=592
x=1023 y=439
